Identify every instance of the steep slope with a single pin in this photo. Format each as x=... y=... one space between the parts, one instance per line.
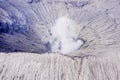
x=30 y=26
x=24 y=66
x=26 y=25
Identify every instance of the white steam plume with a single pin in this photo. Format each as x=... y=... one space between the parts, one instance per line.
x=64 y=36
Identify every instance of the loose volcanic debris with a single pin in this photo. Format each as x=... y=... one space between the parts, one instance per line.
x=27 y=66
x=25 y=26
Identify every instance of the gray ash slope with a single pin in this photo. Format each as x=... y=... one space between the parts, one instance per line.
x=25 y=25
x=17 y=20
